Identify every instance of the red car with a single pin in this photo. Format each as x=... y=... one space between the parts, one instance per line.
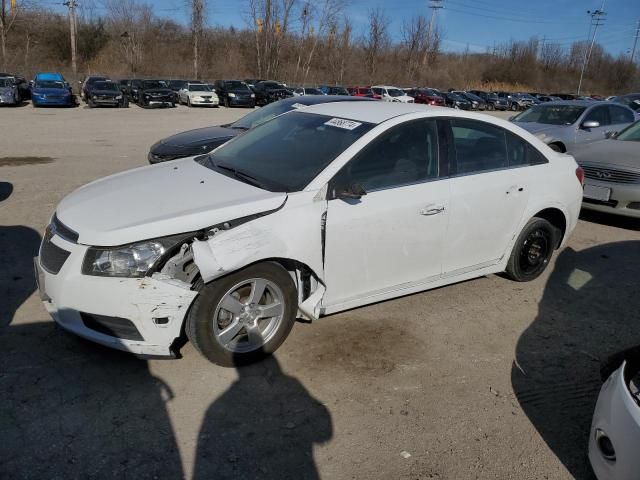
x=362 y=92
x=427 y=96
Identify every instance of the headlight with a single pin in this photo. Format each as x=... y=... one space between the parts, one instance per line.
x=119 y=97
x=232 y=95
x=253 y=95
x=131 y=261
x=146 y=96
x=94 y=97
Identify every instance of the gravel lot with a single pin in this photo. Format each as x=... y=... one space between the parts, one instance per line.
x=483 y=379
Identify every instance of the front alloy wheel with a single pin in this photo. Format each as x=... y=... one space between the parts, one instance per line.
x=244 y=316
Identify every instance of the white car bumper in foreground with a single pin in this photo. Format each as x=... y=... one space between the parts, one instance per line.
x=138 y=315
x=616 y=418
x=205 y=101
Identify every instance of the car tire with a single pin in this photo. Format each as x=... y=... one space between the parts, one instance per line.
x=209 y=323
x=227 y=104
x=533 y=250
x=189 y=102
x=514 y=107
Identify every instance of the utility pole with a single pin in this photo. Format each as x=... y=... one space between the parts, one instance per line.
x=197 y=26
x=434 y=5
x=635 y=43
x=597 y=20
x=72 y=4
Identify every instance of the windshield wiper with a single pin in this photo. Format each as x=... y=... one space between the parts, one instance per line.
x=240 y=175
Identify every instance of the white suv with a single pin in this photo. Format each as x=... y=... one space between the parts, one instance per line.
x=317 y=211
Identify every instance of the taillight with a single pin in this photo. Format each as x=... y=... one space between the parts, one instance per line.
x=580 y=175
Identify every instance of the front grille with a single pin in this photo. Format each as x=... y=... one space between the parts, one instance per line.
x=113 y=326
x=62 y=230
x=52 y=257
x=611 y=175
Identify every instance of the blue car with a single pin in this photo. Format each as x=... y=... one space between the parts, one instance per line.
x=51 y=89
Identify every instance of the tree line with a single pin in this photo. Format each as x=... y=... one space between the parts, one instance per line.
x=296 y=41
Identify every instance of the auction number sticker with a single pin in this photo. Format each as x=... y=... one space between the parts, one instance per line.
x=343 y=123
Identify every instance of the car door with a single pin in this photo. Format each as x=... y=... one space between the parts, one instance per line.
x=488 y=197
x=620 y=118
x=392 y=235
x=598 y=114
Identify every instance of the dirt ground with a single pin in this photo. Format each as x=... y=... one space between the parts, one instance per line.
x=486 y=379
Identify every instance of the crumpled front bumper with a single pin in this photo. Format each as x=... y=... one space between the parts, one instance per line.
x=618 y=416
x=156 y=305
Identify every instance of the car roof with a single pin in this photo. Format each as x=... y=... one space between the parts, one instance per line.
x=48 y=76
x=385 y=86
x=580 y=103
x=373 y=111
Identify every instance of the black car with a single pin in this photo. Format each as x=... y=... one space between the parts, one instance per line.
x=234 y=93
x=564 y=96
x=335 y=90
x=203 y=140
x=106 y=93
x=125 y=86
x=88 y=82
x=21 y=84
x=493 y=101
x=477 y=103
x=155 y=93
x=454 y=100
x=269 y=91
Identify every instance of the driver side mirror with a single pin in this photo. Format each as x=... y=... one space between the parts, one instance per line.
x=589 y=124
x=355 y=191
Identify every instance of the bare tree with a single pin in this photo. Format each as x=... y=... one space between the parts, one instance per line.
x=415 y=42
x=7 y=21
x=197 y=27
x=377 y=40
x=134 y=20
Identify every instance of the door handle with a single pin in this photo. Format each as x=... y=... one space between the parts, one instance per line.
x=430 y=210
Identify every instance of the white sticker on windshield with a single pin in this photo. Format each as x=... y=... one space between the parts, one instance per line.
x=298 y=105
x=342 y=123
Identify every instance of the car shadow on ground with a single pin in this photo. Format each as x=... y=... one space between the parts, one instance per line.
x=73 y=409
x=18 y=246
x=609 y=220
x=264 y=426
x=589 y=310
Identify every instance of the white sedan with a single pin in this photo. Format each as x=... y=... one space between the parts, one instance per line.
x=319 y=210
x=198 y=94
x=392 y=94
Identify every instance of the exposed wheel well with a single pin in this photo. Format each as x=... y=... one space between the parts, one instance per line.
x=560 y=147
x=556 y=218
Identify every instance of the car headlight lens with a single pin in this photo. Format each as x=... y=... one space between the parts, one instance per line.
x=131 y=261
x=119 y=97
x=253 y=95
x=232 y=95
x=93 y=97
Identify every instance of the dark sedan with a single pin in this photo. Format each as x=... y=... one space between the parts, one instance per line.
x=270 y=91
x=106 y=94
x=155 y=93
x=454 y=100
x=234 y=93
x=203 y=140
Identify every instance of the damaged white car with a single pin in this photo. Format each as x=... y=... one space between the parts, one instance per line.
x=314 y=212
x=615 y=430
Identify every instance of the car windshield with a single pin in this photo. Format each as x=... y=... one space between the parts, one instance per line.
x=631 y=133
x=236 y=85
x=395 y=92
x=264 y=114
x=49 y=84
x=199 y=88
x=340 y=91
x=288 y=152
x=551 y=114
x=473 y=97
x=312 y=91
x=106 y=86
x=5 y=82
x=455 y=96
x=149 y=84
x=272 y=85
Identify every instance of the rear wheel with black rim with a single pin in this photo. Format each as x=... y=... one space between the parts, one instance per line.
x=533 y=250
x=244 y=316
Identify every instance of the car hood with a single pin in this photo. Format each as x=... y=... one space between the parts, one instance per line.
x=4 y=90
x=50 y=91
x=106 y=92
x=611 y=153
x=163 y=91
x=197 y=94
x=199 y=136
x=159 y=200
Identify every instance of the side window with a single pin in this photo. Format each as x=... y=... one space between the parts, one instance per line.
x=479 y=146
x=600 y=115
x=404 y=154
x=377 y=91
x=522 y=153
x=620 y=115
